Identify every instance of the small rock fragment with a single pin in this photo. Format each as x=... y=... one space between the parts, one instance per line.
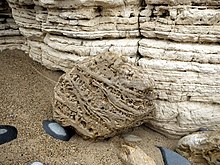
x=56 y=130
x=172 y=158
x=131 y=138
x=135 y=156
x=201 y=147
x=7 y=133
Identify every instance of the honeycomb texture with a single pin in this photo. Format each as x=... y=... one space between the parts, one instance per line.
x=103 y=96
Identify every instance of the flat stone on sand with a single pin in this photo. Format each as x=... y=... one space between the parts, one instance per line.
x=7 y=133
x=56 y=130
x=131 y=138
x=55 y=127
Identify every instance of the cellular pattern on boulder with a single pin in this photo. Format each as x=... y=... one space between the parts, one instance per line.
x=103 y=96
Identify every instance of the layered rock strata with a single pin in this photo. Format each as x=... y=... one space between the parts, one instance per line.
x=177 y=41
x=29 y=18
x=59 y=33
x=103 y=96
x=181 y=53
x=10 y=37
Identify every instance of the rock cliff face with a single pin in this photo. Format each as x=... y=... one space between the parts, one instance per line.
x=59 y=33
x=181 y=53
x=176 y=41
x=10 y=37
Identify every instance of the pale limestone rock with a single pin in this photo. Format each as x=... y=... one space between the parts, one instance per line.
x=53 y=29
x=135 y=156
x=181 y=23
x=183 y=2
x=10 y=37
x=201 y=148
x=32 y=34
x=125 y=47
x=185 y=52
x=94 y=22
x=178 y=119
x=181 y=54
x=86 y=3
x=58 y=60
x=35 y=51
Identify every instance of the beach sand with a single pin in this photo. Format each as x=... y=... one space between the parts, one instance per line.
x=26 y=92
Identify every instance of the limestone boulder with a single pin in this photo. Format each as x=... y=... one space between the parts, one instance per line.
x=201 y=148
x=103 y=96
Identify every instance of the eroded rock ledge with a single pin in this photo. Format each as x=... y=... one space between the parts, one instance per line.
x=10 y=37
x=176 y=41
x=59 y=33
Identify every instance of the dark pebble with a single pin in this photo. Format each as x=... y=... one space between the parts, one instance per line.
x=172 y=158
x=7 y=133
x=55 y=130
x=203 y=129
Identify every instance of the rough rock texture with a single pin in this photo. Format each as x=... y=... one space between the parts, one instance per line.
x=103 y=96
x=181 y=53
x=59 y=33
x=10 y=37
x=177 y=41
x=201 y=148
x=135 y=156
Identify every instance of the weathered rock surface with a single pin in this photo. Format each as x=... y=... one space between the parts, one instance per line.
x=103 y=96
x=181 y=23
x=10 y=37
x=181 y=53
x=176 y=41
x=201 y=148
x=135 y=156
x=59 y=33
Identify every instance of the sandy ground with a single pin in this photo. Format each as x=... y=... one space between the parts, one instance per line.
x=25 y=101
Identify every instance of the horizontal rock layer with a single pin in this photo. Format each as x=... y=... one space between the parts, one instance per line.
x=181 y=53
x=181 y=23
x=183 y=2
x=10 y=37
x=176 y=41
x=59 y=34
